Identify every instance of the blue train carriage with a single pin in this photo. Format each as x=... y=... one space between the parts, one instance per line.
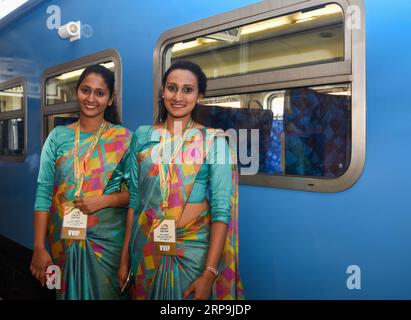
x=318 y=220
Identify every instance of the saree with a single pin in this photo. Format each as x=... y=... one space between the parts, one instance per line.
x=168 y=276
x=89 y=267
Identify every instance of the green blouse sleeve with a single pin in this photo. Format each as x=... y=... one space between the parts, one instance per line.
x=134 y=171
x=141 y=137
x=221 y=185
x=45 y=179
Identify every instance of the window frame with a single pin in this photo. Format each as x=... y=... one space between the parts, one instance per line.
x=72 y=106
x=351 y=70
x=8 y=115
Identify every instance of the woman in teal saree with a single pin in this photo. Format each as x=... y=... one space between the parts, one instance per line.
x=84 y=167
x=182 y=243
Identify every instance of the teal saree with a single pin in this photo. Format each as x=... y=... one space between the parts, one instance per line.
x=88 y=267
x=168 y=276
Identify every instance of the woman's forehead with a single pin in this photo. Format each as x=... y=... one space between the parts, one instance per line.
x=184 y=77
x=95 y=80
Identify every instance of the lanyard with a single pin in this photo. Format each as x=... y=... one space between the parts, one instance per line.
x=165 y=183
x=80 y=166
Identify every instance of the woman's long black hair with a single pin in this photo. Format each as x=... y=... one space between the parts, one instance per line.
x=111 y=113
x=181 y=65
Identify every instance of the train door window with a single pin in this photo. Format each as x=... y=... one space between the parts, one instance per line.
x=293 y=70
x=59 y=103
x=13 y=120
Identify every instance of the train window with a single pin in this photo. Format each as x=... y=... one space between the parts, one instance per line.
x=59 y=94
x=62 y=119
x=300 y=38
x=12 y=120
x=11 y=99
x=309 y=134
x=290 y=71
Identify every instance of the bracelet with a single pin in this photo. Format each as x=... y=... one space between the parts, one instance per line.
x=212 y=270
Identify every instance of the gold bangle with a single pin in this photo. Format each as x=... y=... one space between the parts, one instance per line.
x=212 y=270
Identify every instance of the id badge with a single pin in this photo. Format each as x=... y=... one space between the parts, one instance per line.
x=74 y=224
x=164 y=237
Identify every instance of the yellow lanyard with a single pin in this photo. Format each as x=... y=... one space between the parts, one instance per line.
x=165 y=184
x=80 y=166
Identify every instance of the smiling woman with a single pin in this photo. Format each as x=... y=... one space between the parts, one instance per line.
x=180 y=93
x=182 y=243
x=181 y=87
x=81 y=194
x=95 y=94
x=60 y=100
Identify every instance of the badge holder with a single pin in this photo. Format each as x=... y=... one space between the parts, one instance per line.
x=164 y=237
x=74 y=223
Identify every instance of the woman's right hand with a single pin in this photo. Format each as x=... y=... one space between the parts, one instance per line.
x=123 y=273
x=39 y=263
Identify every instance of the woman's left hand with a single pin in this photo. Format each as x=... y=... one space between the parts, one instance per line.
x=201 y=287
x=89 y=205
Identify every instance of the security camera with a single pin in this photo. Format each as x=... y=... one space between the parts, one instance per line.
x=71 y=30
